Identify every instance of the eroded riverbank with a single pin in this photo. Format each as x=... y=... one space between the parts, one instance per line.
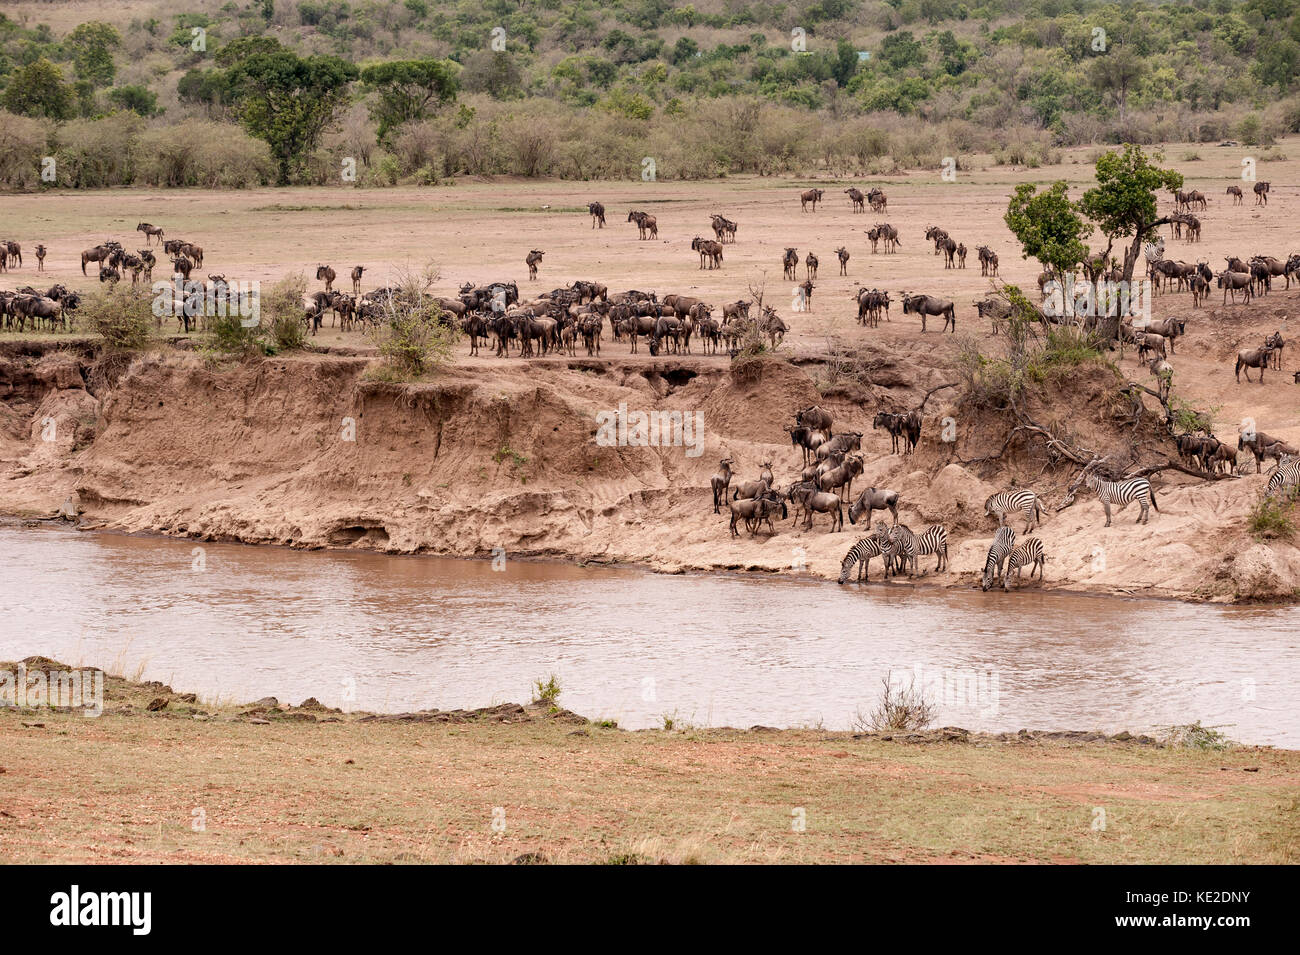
x=308 y=452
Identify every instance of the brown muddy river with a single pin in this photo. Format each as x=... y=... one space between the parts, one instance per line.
x=370 y=632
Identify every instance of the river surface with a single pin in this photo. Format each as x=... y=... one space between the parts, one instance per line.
x=390 y=634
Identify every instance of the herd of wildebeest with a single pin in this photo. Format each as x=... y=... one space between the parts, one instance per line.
x=562 y=319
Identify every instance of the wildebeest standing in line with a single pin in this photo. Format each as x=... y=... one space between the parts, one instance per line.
x=843 y=253
x=40 y=258
x=357 y=271
x=791 y=263
x=810 y=195
x=328 y=275
x=597 y=211
x=810 y=264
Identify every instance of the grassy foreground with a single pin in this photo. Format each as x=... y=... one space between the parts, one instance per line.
x=194 y=782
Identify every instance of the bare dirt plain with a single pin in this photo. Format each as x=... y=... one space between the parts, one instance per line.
x=500 y=452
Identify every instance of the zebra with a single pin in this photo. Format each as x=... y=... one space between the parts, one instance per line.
x=1154 y=251
x=934 y=541
x=1286 y=475
x=1003 y=544
x=902 y=547
x=1123 y=493
x=861 y=554
x=1029 y=553
x=1010 y=501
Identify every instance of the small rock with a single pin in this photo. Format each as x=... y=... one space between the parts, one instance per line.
x=156 y=704
x=265 y=701
x=260 y=722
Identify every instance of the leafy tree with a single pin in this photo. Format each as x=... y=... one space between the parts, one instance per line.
x=845 y=63
x=407 y=90
x=1047 y=225
x=1117 y=73
x=898 y=51
x=38 y=89
x=92 y=45
x=284 y=99
x=138 y=99
x=1123 y=203
x=201 y=86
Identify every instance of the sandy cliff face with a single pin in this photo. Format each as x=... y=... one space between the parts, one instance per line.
x=308 y=452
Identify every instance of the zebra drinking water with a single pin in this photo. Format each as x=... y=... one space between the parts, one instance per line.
x=1003 y=544
x=1008 y=502
x=861 y=554
x=902 y=545
x=1029 y=553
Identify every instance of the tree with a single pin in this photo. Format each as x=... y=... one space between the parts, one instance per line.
x=1048 y=226
x=38 y=89
x=407 y=89
x=284 y=99
x=92 y=45
x=1117 y=73
x=1123 y=203
x=139 y=99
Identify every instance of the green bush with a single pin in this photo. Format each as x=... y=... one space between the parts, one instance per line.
x=282 y=312
x=121 y=315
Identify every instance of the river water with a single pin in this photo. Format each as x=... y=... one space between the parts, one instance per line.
x=379 y=633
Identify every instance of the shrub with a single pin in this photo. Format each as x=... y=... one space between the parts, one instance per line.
x=22 y=145
x=120 y=314
x=200 y=153
x=548 y=691
x=282 y=312
x=900 y=708
x=414 y=335
x=1272 y=518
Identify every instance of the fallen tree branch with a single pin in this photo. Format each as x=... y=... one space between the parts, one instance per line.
x=921 y=406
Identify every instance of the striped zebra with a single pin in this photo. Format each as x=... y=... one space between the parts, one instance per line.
x=1029 y=553
x=1123 y=493
x=1286 y=475
x=1008 y=502
x=1003 y=544
x=902 y=547
x=861 y=554
x=1154 y=251
x=934 y=541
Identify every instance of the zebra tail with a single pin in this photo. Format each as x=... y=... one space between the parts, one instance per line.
x=1152 y=492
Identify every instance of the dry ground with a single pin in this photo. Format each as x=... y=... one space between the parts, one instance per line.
x=136 y=786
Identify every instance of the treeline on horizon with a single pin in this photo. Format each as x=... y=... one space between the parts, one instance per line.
x=248 y=92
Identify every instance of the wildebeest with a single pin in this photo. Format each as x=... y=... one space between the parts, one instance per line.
x=327 y=274
x=1232 y=282
x=924 y=305
x=1248 y=358
x=1235 y=192
x=1261 y=193
x=886 y=232
x=857 y=198
x=904 y=429
x=843 y=254
x=531 y=261
x=149 y=232
x=710 y=252
x=988 y=260
x=597 y=211
x=357 y=271
x=810 y=195
x=791 y=262
x=40 y=258
x=874 y=499
x=647 y=225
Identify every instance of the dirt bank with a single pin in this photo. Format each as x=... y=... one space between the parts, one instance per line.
x=180 y=779
x=503 y=457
